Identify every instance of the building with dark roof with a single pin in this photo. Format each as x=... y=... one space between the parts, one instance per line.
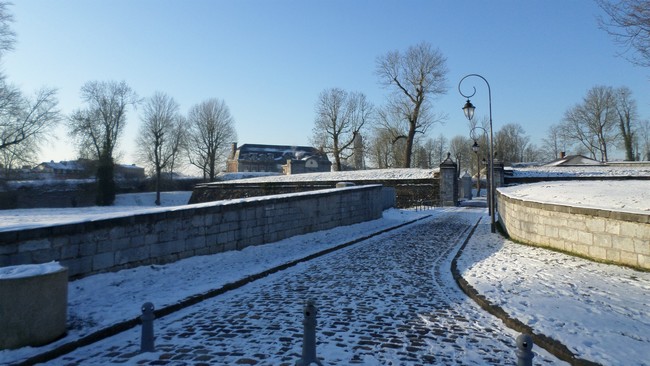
x=277 y=159
x=573 y=160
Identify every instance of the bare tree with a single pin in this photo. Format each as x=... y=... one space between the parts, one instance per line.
x=592 y=123
x=627 y=119
x=178 y=144
x=340 y=116
x=158 y=140
x=379 y=149
x=98 y=127
x=385 y=151
x=23 y=120
x=7 y=35
x=629 y=24
x=439 y=150
x=643 y=139
x=416 y=76
x=460 y=148
x=511 y=143
x=211 y=131
x=555 y=143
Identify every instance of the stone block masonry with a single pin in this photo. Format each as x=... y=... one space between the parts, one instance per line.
x=612 y=236
x=155 y=238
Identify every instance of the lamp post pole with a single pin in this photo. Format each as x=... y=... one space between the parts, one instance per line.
x=468 y=109
x=475 y=148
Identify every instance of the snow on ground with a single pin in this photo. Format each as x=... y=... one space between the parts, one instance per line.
x=618 y=195
x=91 y=300
x=599 y=311
x=125 y=204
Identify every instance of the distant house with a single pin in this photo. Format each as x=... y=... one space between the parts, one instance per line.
x=573 y=160
x=129 y=172
x=277 y=158
x=84 y=169
x=73 y=169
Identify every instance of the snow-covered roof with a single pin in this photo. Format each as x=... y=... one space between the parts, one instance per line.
x=572 y=160
x=278 y=152
x=72 y=165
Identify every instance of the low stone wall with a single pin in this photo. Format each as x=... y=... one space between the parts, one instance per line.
x=408 y=192
x=612 y=236
x=124 y=242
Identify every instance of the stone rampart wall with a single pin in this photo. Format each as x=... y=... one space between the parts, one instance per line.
x=112 y=244
x=408 y=192
x=617 y=237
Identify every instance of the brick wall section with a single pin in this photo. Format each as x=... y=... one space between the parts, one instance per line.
x=613 y=236
x=112 y=244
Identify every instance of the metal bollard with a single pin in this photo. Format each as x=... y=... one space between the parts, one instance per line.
x=147 y=317
x=525 y=350
x=309 y=335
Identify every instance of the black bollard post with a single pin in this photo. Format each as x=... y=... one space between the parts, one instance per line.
x=525 y=350
x=147 y=317
x=309 y=335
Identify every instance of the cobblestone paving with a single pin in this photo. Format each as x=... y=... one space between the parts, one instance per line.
x=386 y=301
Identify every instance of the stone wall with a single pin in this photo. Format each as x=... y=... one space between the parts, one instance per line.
x=112 y=244
x=618 y=237
x=408 y=192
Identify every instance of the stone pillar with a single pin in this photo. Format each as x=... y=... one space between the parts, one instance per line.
x=467 y=186
x=498 y=173
x=448 y=182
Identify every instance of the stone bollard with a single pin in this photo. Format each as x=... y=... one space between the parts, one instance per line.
x=525 y=350
x=309 y=336
x=147 y=317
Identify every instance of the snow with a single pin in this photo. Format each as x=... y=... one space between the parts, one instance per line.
x=29 y=270
x=617 y=195
x=623 y=170
x=376 y=174
x=599 y=311
x=126 y=204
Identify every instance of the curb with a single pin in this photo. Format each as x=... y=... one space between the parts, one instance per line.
x=192 y=300
x=553 y=346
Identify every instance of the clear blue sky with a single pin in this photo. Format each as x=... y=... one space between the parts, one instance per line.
x=269 y=60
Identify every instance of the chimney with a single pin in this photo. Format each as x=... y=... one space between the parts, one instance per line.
x=562 y=154
x=233 y=150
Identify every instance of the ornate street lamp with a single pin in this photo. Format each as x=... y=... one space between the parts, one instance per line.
x=475 y=148
x=469 y=109
x=474 y=136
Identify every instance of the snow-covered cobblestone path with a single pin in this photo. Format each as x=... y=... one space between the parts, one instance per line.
x=386 y=301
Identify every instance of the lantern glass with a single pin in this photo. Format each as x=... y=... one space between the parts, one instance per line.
x=468 y=109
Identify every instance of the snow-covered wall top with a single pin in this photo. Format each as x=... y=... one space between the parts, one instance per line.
x=374 y=174
x=616 y=195
x=582 y=171
x=29 y=270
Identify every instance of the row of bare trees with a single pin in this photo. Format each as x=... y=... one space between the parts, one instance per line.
x=166 y=139
x=414 y=77
x=24 y=120
x=605 y=119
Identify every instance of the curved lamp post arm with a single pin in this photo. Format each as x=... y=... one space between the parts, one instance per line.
x=469 y=113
